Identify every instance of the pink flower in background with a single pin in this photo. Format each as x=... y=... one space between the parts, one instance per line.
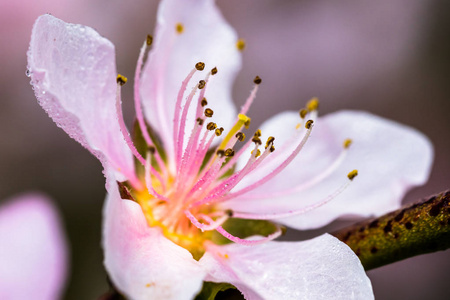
x=161 y=244
x=33 y=250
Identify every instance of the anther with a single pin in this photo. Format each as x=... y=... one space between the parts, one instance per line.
x=229 y=152
x=303 y=113
x=214 y=71
x=309 y=124
x=229 y=213
x=179 y=28
x=247 y=123
x=258 y=152
x=283 y=230
x=270 y=141
x=257 y=80
x=211 y=126
x=219 y=131
x=200 y=121
x=272 y=148
x=201 y=84
x=257 y=133
x=200 y=66
x=347 y=143
x=121 y=79
x=312 y=104
x=209 y=112
x=220 y=153
x=256 y=140
x=151 y=149
x=352 y=174
x=240 y=136
x=149 y=40
x=240 y=44
x=204 y=102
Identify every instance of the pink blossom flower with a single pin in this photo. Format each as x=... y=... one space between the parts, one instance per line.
x=160 y=243
x=33 y=259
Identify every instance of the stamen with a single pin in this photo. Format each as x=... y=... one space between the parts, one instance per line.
x=292 y=212
x=240 y=136
x=200 y=66
x=219 y=131
x=313 y=104
x=309 y=124
x=257 y=80
x=200 y=121
x=179 y=28
x=201 y=84
x=212 y=224
x=241 y=121
x=121 y=79
x=229 y=152
x=209 y=112
x=303 y=112
x=214 y=71
x=211 y=126
x=204 y=102
x=149 y=40
x=347 y=143
x=352 y=174
x=149 y=171
x=246 y=242
x=240 y=44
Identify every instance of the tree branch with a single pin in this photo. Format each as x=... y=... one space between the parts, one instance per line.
x=414 y=229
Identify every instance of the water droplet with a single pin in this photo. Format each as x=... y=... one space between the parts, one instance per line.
x=28 y=73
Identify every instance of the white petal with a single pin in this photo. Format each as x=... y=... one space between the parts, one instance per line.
x=207 y=38
x=33 y=259
x=73 y=73
x=321 y=268
x=141 y=262
x=390 y=157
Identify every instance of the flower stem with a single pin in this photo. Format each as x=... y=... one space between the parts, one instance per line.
x=414 y=229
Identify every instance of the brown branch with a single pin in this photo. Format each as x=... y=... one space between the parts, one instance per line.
x=414 y=229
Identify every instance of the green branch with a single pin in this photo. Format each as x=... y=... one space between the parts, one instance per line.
x=414 y=229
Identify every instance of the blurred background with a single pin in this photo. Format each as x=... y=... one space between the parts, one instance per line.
x=389 y=57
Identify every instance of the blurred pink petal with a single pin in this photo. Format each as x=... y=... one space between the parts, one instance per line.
x=33 y=250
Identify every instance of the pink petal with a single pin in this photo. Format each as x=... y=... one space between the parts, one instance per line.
x=208 y=38
x=141 y=262
x=391 y=158
x=321 y=268
x=33 y=259
x=73 y=73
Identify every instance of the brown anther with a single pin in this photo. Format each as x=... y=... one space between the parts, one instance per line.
x=151 y=149
x=179 y=28
x=149 y=40
x=347 y=143
x=229 y=213
x=209 y=112
x=303 y=113
x=220 y=153
x=269 y=141
x=204 y=102
x=211 y=126
x=214 y=71
x=240 y=44
x=229 y=152
x=121 y=79
x=283 y=230
x=219 y=131
x=272 y=148
x=200 y=121
x=240 y=136
x=257 y=133
x=247 y=123
x=200 y=66
x=309 y=124
x=352 y=174
x=201 y=84
x=257 y=80
x=256 y=140
x=258 y=152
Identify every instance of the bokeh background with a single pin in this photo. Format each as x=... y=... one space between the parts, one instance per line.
x=390 y=57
